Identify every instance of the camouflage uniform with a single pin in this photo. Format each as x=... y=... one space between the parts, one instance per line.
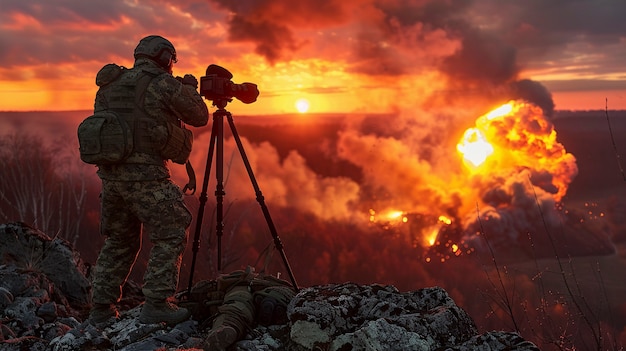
x=139 y=192
x=245 y=297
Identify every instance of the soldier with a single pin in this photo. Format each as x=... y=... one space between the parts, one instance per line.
x=242 y=298
x=138 y=192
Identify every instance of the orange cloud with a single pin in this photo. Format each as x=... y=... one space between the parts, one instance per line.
x=356 y=47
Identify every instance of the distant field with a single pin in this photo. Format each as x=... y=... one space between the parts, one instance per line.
x=587 y=136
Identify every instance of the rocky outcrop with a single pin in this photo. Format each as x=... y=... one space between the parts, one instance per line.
x=43 y=309
x=31 y=250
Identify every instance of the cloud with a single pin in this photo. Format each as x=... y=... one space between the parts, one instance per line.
x=282 y=29
x=275 y=27
x=50 y=33
x=470 y=47
x=482 y=59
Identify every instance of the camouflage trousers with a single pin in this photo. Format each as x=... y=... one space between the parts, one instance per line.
x=158 y=206
x=237 y=310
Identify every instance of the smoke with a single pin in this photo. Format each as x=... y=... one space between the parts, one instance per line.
x=411 y=165
x=394 y=175
x=464 y=57
x=408 y=162
x=270 y=24
x=287 y=182
x=534 y=92
x=448 y=67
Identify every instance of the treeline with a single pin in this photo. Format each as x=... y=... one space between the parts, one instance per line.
x=44 y=186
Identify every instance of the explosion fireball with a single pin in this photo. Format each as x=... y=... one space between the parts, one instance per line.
x=474 y=147
x=516 y=136
x=514 y=164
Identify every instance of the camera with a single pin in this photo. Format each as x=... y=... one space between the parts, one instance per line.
x=217 y=85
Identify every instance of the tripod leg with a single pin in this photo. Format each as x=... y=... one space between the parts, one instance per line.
x=203 y=200
x=261 y=200
x=218 y=119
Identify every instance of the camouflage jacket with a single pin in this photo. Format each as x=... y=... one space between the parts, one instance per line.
x=166 y=99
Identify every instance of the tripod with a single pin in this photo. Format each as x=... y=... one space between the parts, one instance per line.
x=217 y=142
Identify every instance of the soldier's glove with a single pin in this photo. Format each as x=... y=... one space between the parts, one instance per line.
x=188 y=79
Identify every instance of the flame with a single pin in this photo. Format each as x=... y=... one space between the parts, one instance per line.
x=474 y=147
x=391 y=216
x=445 y=220
x=394 y=214
x=431 y=237
x=500 y=111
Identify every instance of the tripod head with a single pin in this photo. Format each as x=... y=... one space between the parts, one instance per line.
x=221 y=103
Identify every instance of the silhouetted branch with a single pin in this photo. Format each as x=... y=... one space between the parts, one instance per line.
x=617 y=155
x=585 y=315
x=505 y=303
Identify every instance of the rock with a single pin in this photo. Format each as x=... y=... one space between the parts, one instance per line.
x=48 y=312
x=375 y=317
x=30 y=249
x=493 y=341
x=38 y=313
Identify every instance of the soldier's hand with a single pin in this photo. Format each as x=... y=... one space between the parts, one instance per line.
x=189 y=79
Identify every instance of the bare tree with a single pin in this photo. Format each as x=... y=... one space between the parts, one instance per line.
x=40 y=185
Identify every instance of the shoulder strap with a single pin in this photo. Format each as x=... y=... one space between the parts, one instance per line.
x=140 y=116
x=142 y=86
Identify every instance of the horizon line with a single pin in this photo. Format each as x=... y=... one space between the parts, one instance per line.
x=296 y=113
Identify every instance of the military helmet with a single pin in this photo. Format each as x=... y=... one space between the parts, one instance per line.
x=158 y=49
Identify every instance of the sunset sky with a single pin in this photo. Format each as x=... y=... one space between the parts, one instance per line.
x=340 y=56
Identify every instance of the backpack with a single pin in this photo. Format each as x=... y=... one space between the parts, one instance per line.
x=107 y=137
x=104 y=138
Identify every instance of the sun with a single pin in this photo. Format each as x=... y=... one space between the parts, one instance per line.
x=302 y=105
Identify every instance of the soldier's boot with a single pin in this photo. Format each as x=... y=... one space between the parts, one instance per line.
x=100 y=313
x=220 y=338
x=266 y=311
x=162 y=311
